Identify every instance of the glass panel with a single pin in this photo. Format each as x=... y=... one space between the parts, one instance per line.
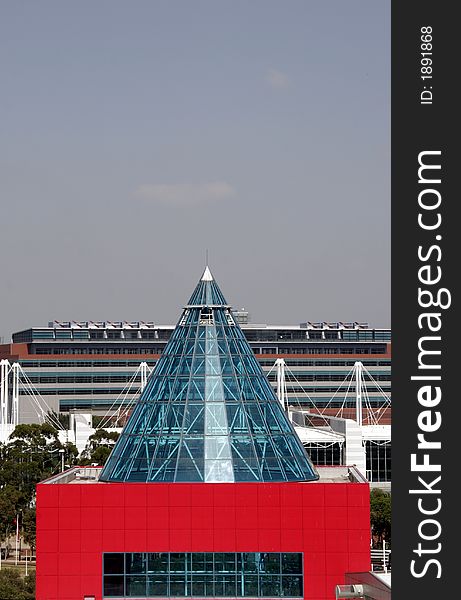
x=270 y=562
x=114 y=563
x=192 y=447
x=139 y=470
x=236 y=418
x=162 y=470
x=224 y=562
x=292 y=563
x=216 y=419
x=272 y=422
x=185 y=367
x=197 y=389
x=217 y=447
x=292 y=586
x=218 y=470
x=114 y=586
x=209 y=562
x=227 y=367
x=178 y=562
x=250 y=585
x=167 y=447
x=178 y=585
x=188 y=469
x=231 y=388
x=157 y=585
x=246 y=469
x=202 y=562
x=198 y=367
x=243 y=446
x=250 y=562
x=269 y=585
x=158 y=562
x=256 y=420
x=136 y=562
x=202 y=585
x=194 y=418
x=173 y=421
x=224 y=585
x=214 y=389
x=136 y=586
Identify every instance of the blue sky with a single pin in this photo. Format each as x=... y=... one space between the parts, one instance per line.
x=135 y=135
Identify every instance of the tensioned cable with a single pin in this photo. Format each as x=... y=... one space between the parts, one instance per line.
x=123 y=394
x=39 y=400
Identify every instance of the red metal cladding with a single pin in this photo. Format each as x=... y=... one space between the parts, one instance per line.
x=77 y=522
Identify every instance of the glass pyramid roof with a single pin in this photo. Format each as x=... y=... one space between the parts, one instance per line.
x=208 y=412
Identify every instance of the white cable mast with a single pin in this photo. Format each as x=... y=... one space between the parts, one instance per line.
x=358 y=368
x=4 y=372
x=281 y=385
x=15 y=395
x=144 y=375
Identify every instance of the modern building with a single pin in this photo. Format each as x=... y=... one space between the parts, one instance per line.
x=89 y=366
x=207 y=493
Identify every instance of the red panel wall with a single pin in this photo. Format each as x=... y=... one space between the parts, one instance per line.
x=76 y=523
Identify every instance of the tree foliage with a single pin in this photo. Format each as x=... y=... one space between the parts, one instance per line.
x=30 y=455
x=15 y=587
x=10 y=500
x=28 y=527
x=380 y=514
x=99 y=446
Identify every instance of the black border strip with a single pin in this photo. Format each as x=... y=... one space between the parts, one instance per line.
x=424 y=122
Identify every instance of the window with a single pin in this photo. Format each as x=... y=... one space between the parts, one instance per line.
x=203 y=574
x=96 y=335
x=379 y=463
x=325 y=453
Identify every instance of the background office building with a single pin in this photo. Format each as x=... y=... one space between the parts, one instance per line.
x=90 y=366
x=93 y=372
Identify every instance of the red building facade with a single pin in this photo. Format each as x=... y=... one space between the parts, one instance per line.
x=77 y=522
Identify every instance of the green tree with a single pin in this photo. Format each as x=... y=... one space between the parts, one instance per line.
x=380 y=515
x=30 y=455
x=10 y=500
x=28 y=527
x=14 y=587
x=99 y=447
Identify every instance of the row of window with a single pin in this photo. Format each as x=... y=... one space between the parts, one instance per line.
x=141 y=350
x=109 y=378
x=95 y=350
x=203 y=574
x=313 y=389
x=98 y=403
x=376 y=402
x=324 y=362
x=323 y=376
x=325 y=454
x=76 y=392
x=321 y=350
x=262 y=335
x=86 y=379
x=46 y=364
x=107 y=391
x=291 y=362
x=300 y=335
x=94 y=334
